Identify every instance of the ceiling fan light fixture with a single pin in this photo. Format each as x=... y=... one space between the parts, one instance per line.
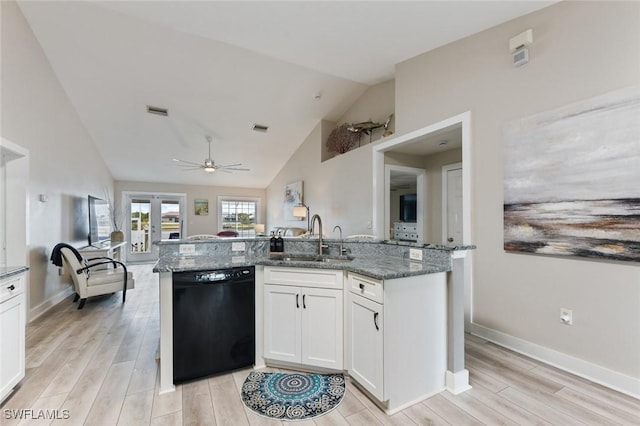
x=209 y=169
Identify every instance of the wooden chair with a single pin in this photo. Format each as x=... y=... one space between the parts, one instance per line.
x=95 y=277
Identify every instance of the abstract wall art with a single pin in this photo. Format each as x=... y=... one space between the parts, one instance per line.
x=572 y=179
x=292 y=197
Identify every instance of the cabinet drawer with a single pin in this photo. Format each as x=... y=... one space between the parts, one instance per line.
x=366 y=287
x=11 y=286
x=304 y=277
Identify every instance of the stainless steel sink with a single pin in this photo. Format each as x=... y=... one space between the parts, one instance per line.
x=310 y=258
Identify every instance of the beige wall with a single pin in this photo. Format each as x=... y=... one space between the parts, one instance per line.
x=197 y=224
x=339 y=190
x=580 y=50
x=64 y=162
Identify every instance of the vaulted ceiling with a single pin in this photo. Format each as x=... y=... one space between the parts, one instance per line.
x=219 y=67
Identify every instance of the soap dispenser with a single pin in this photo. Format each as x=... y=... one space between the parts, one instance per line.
x=272 y=242
x=279 y=243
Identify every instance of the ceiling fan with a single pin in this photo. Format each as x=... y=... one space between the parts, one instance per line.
x=209 y=165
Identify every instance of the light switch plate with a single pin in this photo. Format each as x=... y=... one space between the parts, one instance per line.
x=238 y=246
x=187 y=248
x=415 y=254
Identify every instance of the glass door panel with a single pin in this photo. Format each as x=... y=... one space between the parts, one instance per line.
x=170 y=220
x=140 y=236
x=153 y=217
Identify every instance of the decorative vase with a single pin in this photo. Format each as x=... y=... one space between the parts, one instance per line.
x=117 y=236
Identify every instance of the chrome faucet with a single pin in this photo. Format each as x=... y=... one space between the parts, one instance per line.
x=342 y=249
x=313 y=223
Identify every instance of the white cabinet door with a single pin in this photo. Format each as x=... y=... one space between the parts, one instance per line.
x=322 y=335
x=12 y=347
x=365 y=343
x=282 y=323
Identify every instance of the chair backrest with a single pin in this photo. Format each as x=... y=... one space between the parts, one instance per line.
x=73 y=264
x=227 y=234
x=202 y=237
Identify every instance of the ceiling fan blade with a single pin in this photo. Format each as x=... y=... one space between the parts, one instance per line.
x=230 y=165
x=188 y=169
x=187 y=162
x=236 y=169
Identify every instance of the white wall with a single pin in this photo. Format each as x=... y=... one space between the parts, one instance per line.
x=64 y=162
x=198 y=224
x=580 y=50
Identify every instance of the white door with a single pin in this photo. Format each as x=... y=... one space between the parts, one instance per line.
x=153 y=217
x=282 y=312
x=365 y=343
x=321 y=325
x=453 y=206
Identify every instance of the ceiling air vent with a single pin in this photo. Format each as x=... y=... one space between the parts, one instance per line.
x=260 y=128
x=157 y=110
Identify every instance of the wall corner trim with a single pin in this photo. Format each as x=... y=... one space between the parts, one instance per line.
x=612 y=379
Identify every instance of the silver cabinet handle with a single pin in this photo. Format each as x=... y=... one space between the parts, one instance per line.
x=375 y=320
x=297 y=303
x=304 y=303
x=361 y=286
x=12 y=287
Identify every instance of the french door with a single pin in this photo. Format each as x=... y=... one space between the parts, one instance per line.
x=152 y=217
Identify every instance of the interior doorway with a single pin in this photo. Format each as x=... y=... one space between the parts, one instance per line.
x=417 y=143
x=152 y=217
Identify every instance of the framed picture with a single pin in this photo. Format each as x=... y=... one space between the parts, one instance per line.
x=292 y=197
x=201 y=207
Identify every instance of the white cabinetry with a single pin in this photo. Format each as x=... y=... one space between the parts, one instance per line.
x=396 y=337
x=303 y=316
x=365 y=343
x=13 y=316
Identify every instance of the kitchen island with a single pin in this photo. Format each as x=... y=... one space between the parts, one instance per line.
x=391 y=264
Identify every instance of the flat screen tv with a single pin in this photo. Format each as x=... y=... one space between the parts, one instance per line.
x=408 y=207
x=99 y=221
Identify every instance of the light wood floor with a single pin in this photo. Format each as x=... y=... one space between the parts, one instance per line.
x=99 y=365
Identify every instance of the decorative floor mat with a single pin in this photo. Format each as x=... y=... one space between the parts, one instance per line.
x=292 y=396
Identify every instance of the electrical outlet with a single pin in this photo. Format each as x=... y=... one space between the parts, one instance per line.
x=238 y=246
x=369 y=225
x=187 y=248
x=566 y=316
x=415 y=254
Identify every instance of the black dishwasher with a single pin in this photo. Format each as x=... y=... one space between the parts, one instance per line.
x=213 y=322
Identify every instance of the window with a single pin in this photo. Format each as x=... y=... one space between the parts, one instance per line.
x=239 y=215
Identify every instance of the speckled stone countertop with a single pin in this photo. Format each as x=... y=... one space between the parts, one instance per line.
x=379 y=267
x=7 y=271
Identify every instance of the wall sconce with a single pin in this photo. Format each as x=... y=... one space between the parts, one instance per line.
x=302 y=211
x=259 y=228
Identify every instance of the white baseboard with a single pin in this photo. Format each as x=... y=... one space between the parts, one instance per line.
x=587 y=370
x=43 y=307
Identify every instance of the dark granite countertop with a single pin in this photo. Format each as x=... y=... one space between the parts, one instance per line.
x=7 y=271
x=379 y=267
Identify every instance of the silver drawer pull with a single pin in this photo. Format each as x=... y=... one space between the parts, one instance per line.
x=12 y=287
x=361 y=286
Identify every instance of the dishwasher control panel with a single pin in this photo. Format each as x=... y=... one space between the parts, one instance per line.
x=222 y=275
